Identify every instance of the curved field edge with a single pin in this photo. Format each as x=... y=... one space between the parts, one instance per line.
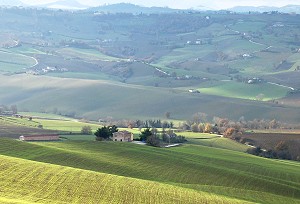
x=15 y=62
x=24 y=181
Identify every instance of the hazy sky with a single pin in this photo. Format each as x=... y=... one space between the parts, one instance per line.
x=214 y=4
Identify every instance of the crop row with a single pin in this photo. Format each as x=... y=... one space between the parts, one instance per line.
x=27 y=181
x=189 y=165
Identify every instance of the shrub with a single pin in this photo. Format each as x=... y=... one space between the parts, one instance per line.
x=86 y=130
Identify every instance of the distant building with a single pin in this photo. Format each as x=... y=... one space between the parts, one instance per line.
x=255 y=81
x=194 y=91
x=122 y=136
x=39 y=137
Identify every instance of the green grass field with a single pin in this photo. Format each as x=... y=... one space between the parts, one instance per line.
x=224 y=174
x=94 y=100
x=248 y=25
x=69 y=126
x=222 y=143
x=45 y=115
x=212 y=140
x=246 y=91
x=34 y=182
x=26 y=50
x=80 y=75
x=86 y=54
x=13 y=62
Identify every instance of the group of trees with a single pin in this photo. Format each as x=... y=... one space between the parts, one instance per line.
x=199 y=123
x=105 y=133
x=142 y=124
x=280 y=151
x=86 y=130
x=150 y=137
x=153 y=138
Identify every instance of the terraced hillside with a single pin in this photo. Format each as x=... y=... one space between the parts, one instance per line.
x=195 y=168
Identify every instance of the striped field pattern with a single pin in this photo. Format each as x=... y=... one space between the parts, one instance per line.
x=194 y=169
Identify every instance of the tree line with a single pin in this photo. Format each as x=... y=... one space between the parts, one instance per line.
x=154 y=138
x=151 y=123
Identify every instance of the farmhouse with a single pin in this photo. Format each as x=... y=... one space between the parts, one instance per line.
x=123 y=136
x=39 y=137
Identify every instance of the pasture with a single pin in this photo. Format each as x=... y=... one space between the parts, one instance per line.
x=94 y=100
x=13 y=62
x=247 y=91
x=86 y=54
x=66 y=126
x=82 y=75
x=218 y=142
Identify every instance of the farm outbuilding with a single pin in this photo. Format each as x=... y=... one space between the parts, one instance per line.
x=39 y=137
x=123 y=136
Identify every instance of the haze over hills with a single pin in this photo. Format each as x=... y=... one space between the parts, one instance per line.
x=131 y=8
x=138 y=8
x=171 y=56
x=284 y=9
x=204 y=89
x=65 y=4
x=12 y=3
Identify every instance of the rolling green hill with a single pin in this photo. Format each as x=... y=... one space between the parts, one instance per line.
x=24 y=181
x=95 y=66
x=221 y=172
x=100 y=99
x=140 y=66
x=11 y=62
x=247 y=91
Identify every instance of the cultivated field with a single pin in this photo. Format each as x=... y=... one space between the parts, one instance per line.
x=270 y=140
x=9 y=127
x=24 y=181
x=193 y=167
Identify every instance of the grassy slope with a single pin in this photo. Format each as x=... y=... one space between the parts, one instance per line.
x=14 y=62
x=94 y=99
x=11 y=127
x=212 y=140
x=86 y=54
x=246 y=91
x=72 y=126
x=24 y=181
x=224 y=172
